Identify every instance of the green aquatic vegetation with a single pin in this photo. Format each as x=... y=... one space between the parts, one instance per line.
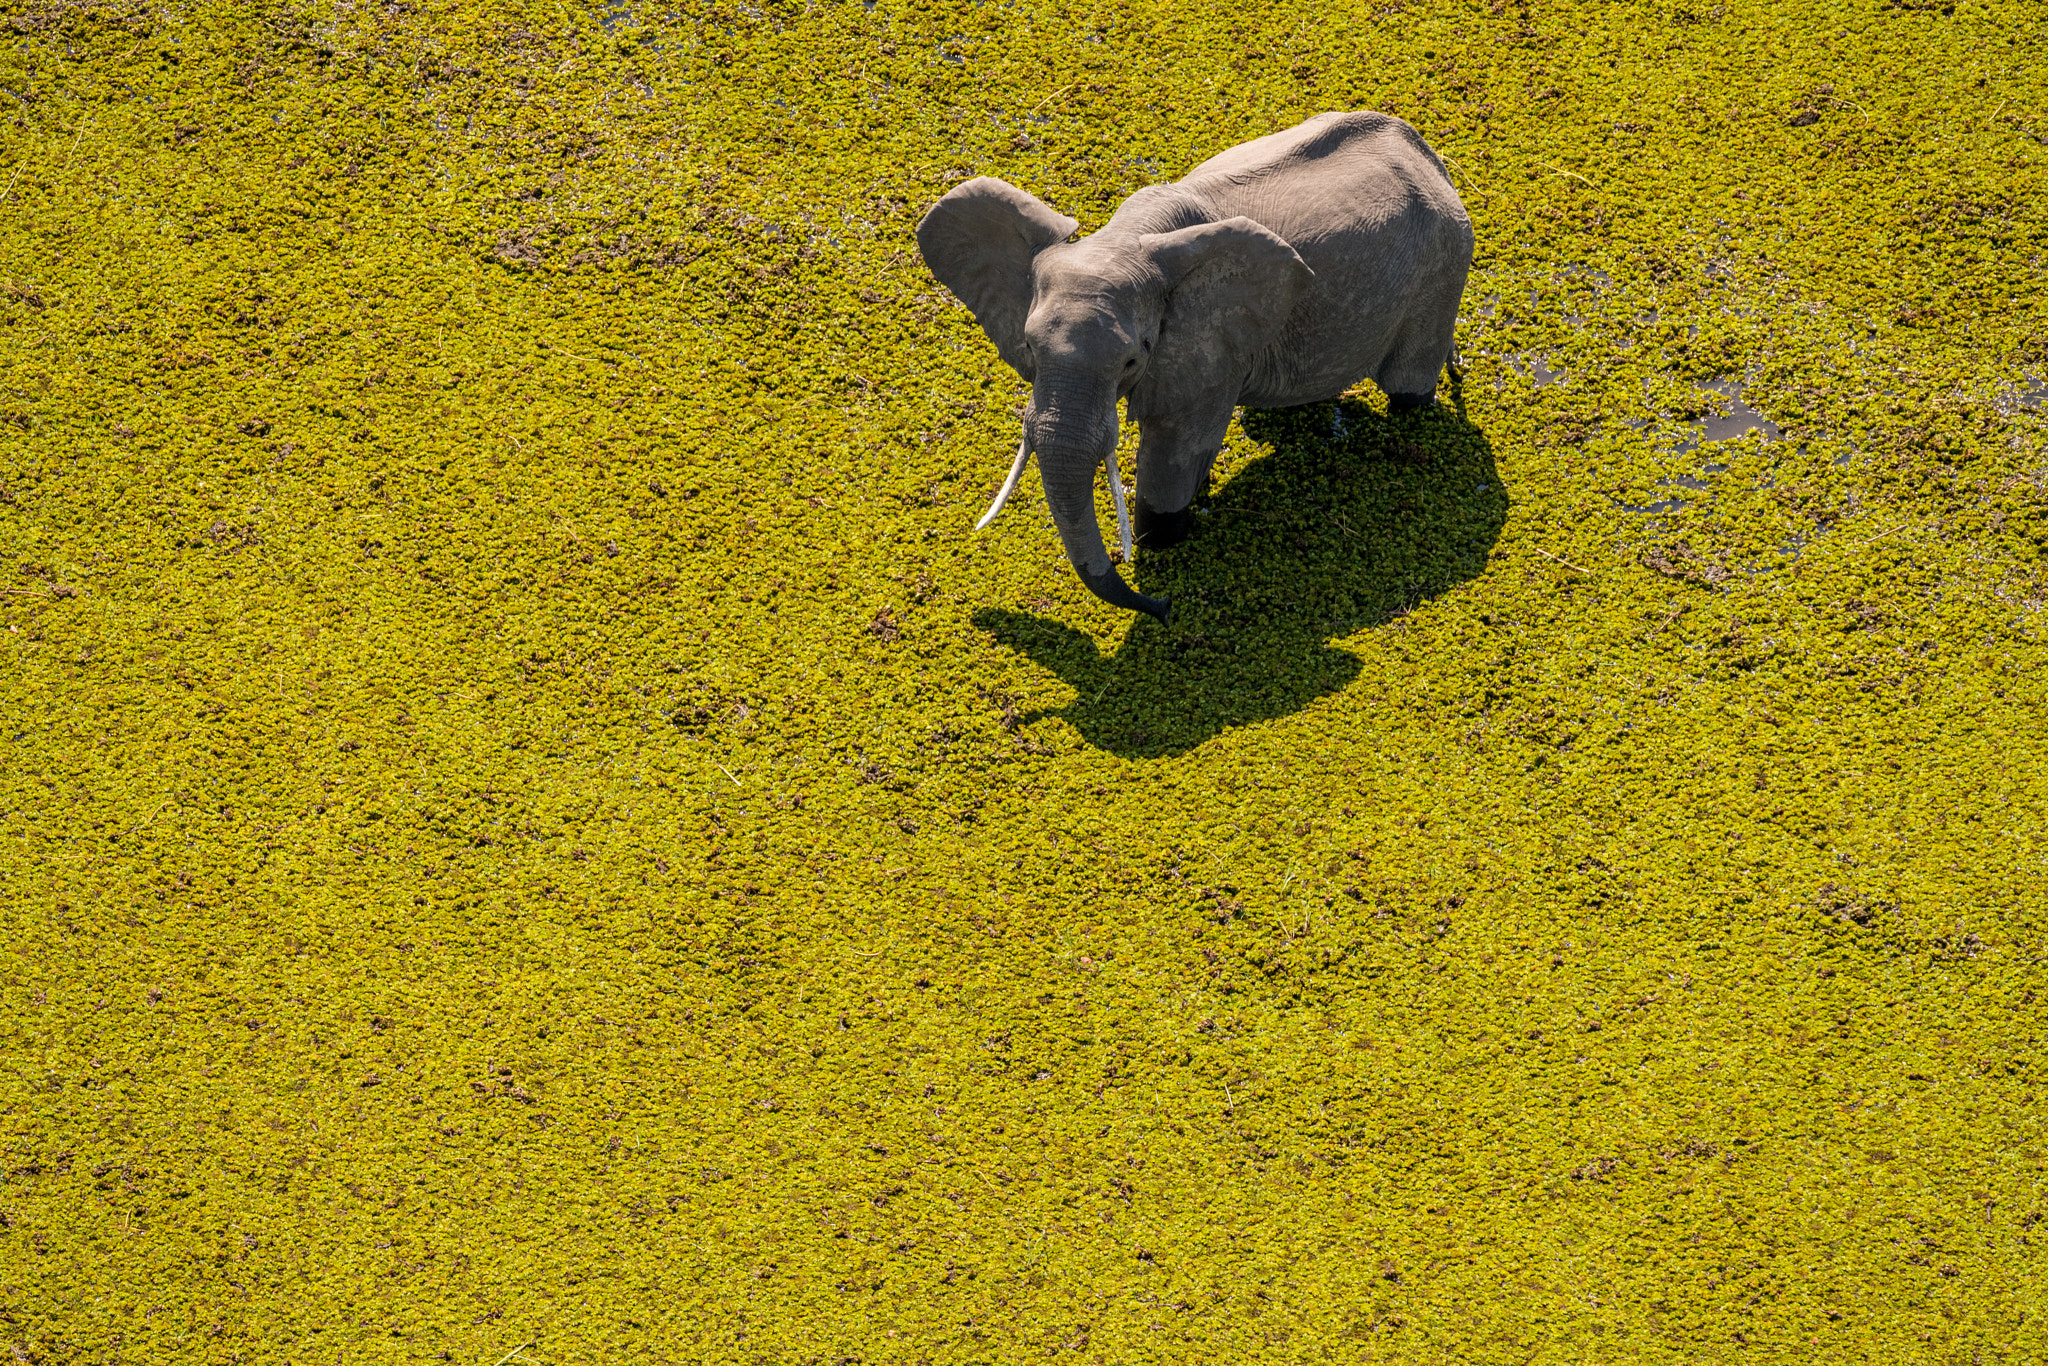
x=529 y=819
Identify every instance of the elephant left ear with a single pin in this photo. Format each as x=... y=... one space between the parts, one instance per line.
x=1230 y=288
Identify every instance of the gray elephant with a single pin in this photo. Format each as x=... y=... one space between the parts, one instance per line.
x=1280 y=272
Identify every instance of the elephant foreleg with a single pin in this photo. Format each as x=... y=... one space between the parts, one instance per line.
x=1175 y=451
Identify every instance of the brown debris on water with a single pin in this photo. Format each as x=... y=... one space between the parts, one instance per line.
x=1851 y=908
x=1680 y=561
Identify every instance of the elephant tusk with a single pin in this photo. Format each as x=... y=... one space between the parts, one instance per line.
x=1123 y=516
x=1009 y=485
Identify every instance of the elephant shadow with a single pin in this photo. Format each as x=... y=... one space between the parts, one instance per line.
x=1352 y=520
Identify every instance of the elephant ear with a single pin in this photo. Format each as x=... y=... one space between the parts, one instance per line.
x=979 y=240
x=1230 y=288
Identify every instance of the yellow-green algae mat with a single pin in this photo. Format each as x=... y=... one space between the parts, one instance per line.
x=531 y=828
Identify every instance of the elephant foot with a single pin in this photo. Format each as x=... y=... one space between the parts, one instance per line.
x=1161 y=530
x=1410 y=403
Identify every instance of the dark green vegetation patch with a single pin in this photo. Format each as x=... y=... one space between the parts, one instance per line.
x=528 y=818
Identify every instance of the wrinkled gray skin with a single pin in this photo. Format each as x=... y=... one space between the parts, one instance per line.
x=1281 y=272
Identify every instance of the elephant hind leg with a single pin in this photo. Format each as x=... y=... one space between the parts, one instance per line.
x=1426 y=342
x=1413 y=365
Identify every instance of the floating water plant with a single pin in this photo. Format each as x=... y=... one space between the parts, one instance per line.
x=533 y=828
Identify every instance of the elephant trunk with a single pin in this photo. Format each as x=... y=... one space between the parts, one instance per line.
x=1072 y=439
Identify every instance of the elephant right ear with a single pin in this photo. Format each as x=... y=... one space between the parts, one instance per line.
x=979 y=241
x=1230 y=287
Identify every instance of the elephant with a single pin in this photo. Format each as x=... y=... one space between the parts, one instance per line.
x=1278 y=273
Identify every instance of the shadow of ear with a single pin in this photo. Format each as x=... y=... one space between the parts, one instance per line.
x=1349 y=522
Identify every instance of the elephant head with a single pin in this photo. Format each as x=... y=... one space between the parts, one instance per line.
x=1169 y=316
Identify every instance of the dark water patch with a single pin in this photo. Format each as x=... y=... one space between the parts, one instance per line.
x=1660 y=506
x=1739 y=419
x=2032 y=393
x=1685 y=481
x=1541 y=374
